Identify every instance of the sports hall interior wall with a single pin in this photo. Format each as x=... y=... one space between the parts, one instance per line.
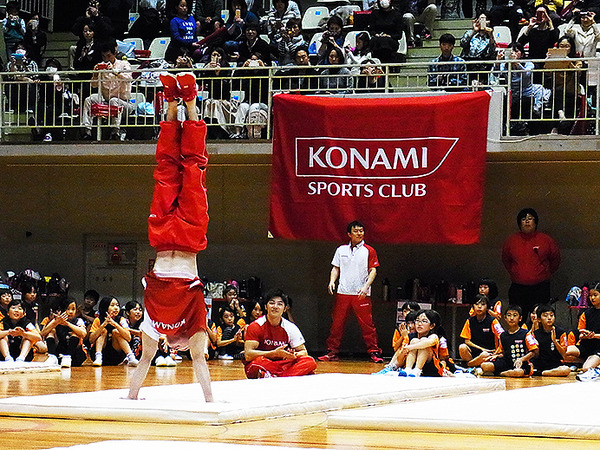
x=56 y=199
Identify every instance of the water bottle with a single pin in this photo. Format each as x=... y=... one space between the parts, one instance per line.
x=585 y=295
x=386 y=290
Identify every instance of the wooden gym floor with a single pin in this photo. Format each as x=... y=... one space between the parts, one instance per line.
x=300 y=431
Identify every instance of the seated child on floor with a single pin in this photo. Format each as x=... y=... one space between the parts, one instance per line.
x=480 y=332
x=230 y=341
x=400 y=330
x=86 y=310
x=64 y=333
x=588 y=345
x=17 y=334
x=134 y=314
x=422 y=352
x=489 y=288
x=110 y=336
x=5 y=298
x=552 y=342
x=404 y=330
x=517 y=346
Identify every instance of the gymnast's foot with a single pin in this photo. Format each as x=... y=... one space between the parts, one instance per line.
x=170 y=87
x=187 y=86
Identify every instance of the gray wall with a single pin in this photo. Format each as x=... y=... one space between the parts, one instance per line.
x=60 y=200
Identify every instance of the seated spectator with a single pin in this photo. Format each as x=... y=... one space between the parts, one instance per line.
x=299 y=76
x=506 y=10
x=218 y=108
x=118 y=13
x=216 y=39
x=481 y=333
x=230 y=341
x=422 y=11
x=149 y=25
x=102 y=25
x=371 y=78
x=253 y=112
x=114 y=86
x=540 y=34
x=285 y=42
x=252 y=43
x=14 y=27
x=489 y=288
x=586 y=34
x=360 y=53
x=552 y=341
x=401 y=339
x=5 y=298
x=280 y=13
x=563 y=81
x=204 y=12
x=87 y=53
x=33 y=313
x=35 y=39
x=183 y=33
x=516 y=348
x=22 y=96
x=554 y=8
x=479 y=45
x=274 y=346
x=386 y=25
x=86 y=310
x=64 y=333
x=527 y=98
x=335 y=80
x=239 y=17
x=110 y=335
x=134 y=315
x=450 y=77
x=332 y=38
x=57 y=101
x=17 y=334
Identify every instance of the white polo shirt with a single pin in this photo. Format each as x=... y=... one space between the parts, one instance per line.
x=354 y=264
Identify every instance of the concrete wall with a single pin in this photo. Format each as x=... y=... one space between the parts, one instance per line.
x=61 y=200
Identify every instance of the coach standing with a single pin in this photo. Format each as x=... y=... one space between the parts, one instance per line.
x=531 y=258
x=355 y=265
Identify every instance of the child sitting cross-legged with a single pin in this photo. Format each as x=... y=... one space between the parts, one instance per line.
x=517 y=346
x=587 y=347
x=552 y=342
x=64 y=333
x=480 y=332
x=17 y=334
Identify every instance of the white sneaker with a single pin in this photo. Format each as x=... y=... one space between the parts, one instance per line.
x=225 y=357
x=132 y=362
x=170 y=362
x=161 y=361
x=48 y=137
x=65 y=361
x=592 y=374
x=97 y=362
x=52 y=360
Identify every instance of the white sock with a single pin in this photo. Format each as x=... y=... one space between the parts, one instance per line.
x=9 y=359
x=130 y=356
x=19 y=359
x=98 y=355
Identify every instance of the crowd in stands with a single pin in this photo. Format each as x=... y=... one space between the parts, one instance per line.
x=233 y=46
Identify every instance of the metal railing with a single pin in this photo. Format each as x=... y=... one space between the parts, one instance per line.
x=560 y=95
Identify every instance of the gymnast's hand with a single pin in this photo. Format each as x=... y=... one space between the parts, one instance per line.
x=284 y=352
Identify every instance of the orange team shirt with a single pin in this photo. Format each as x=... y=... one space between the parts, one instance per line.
x=96 y=324
x=496 y=329
x=398 y=341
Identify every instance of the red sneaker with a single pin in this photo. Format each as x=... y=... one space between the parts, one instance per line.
x=331 y=356
x=187 y=86
x=170 y=87
x=376 y=357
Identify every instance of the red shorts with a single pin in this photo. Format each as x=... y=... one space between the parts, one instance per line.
x=175 y=305
x=179 y=212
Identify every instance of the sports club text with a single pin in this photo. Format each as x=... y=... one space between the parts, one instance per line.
x=367 y=190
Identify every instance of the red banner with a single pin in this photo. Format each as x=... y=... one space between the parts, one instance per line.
x=411 y=169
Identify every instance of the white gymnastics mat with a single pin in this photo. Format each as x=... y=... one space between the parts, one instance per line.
x=27 y=367
x=275 y=397
x=560 y=410
x=162 y=445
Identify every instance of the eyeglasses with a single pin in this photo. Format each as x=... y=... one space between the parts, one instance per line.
x=422 y=321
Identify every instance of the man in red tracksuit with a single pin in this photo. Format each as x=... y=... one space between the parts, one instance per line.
x=355 y=264
x=177 y=224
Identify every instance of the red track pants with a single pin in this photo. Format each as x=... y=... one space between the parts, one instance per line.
x=303 y=365
x=179 y=211
x=362 y=309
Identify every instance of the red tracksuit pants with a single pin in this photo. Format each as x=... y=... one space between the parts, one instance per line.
x=362 y=309
x=179 y=212
x=303 y=365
